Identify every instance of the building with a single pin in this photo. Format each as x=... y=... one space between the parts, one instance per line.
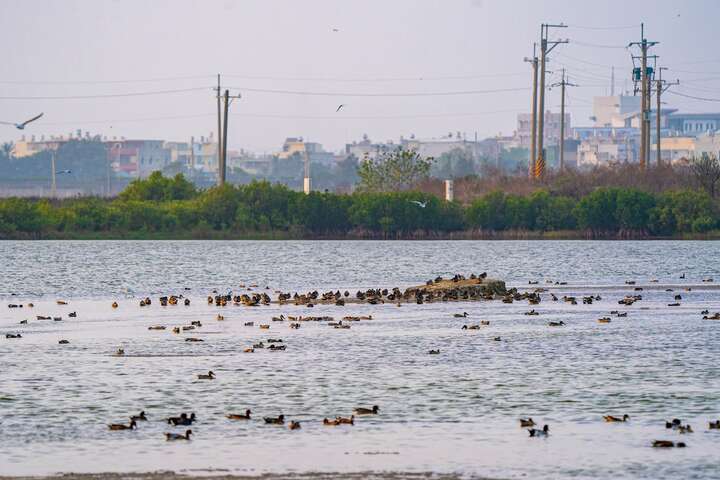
x=611 y=111
x=674 y=149
x=694 y=124
x=599 y=151
x=365 y=149
x=551 y=128
x=137 y=158
x=314 y=151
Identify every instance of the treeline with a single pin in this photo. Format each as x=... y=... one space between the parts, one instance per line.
x=161 y=207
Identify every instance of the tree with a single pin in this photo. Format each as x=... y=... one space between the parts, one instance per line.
x=393 y=171
x=456 y=163
x=7 y=149
x=706 y=171
x=158 y=188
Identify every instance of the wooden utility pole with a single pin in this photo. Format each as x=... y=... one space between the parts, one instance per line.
x=546 y=47
x=219 y=132
x=222 y=165
x=660 y=87
x=533 y=128
x=562 y=84
x=53 y=191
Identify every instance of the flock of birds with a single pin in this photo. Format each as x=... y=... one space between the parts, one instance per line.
x=455 y=289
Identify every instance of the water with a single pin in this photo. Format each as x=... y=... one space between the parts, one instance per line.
x=453 y=412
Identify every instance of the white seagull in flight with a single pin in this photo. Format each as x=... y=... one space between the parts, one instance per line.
x=420 y=204
x=21 y=126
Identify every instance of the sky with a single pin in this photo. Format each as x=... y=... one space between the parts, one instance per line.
x=149 y=66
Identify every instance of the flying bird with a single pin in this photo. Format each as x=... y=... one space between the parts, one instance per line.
x=64 y=171
x=339 y=107
x=420 y=204
x=335 y=29
x=21 y=126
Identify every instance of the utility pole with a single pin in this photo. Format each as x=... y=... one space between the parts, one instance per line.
x=533 y=128
x=222 y=165
x=562 y=84
x=219 y=133
x=643 y=75
x=546 y=47
x=660 y=87
x=53 y=191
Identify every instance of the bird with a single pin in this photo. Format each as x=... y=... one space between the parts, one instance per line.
x=183 y=419
x=460 y=315
x=331 y=423
x=122 y=426
x=176 y=436
x=339 y=107
x=527 y=422
x=434 y=352
x=140 y=417
x=366 y=411
x=294 y=425
x=715 y=425
x=610 y=418
x=63 y=171
x=418 y=203
x=279 y=420
x=667 y=444
x=337 y=29
x=239 y=416
x=206 y=376
x=21 y=126
x=346 y=420
x=534 y=432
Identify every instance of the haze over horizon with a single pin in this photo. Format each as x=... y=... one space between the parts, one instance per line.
x=323 y=53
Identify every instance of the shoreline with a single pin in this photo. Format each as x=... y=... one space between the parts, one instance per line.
x=223 y=475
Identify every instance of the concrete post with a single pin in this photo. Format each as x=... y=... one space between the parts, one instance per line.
x=449 y=190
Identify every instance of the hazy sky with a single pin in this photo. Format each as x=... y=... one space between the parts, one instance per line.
x=102 y=47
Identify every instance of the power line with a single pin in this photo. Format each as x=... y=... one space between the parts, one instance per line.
x=619 y=27
x=703 y=99
x=375 y=117
x=376 y=79
x=100 y=82
x=596 y=45
x=357 y=94
x=602 y=65
x=128 y=120
x=108 y=95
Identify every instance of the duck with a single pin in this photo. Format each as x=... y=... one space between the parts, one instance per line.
x=115 y=305
x=264 y=327
x=685 y=429
x=281 y=318
x=187 y=302
x=72 y=314
x=23 y=322
x=183 y=419
x=176 y=436
x=156 y=327
x=249 y=324
x=176 y=329
x=667 y=444
x=346 y=420
x=676 y=422
x=497 y=339
x=331 y=423
x=610 y=418
x=139 y=418
x=470 y=327
x=239 y=416
x=122 y=426
x=61 y=302
x=276 y=347
x=527 y=422
x=532 y=312
x=714 y=425
x=534 y=432
x=434 y=352
x=460 y=315
x=366 y=411
x=193 y=339
x=120 y=352
x=206 y=376
x=220 y=317
x=248 y=350
x=279 y=420
x=604 y=320
x=294 y=425
x=556 y=324
x=64 y=342
x=13 y=335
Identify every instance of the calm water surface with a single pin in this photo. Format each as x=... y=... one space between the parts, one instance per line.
x=453 y=412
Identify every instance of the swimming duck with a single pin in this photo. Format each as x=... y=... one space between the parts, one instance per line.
x=183 y=419
x=114 y=305
x=685 y=429
x=139 y=418
x=72 y=314
x=206 y=376
x=366 y=411
x=279 y=420
x=61 y=302
x=676 y=304
x=120 y=352
x=187 y=302
x=295 y=325
x=274 y=347
x=610 y=418
x=121 y=426
x=176 y=436
x=331 y=423
x=281 y=318
x=667 y=444
x=534 y=432
x=604 y=320
x=676 y=422
x=176 y=330
x=434 y=352
x=156 y=327
x=265 y=327
x=715 y=425
x=470 y=327
x=249 y=324
x=220 y=318
x=556 y=324
x=13 y=335
x=294 y=425
x=532 y=313
x=64 y=342
x=346 y=420
x=460 y=315
x=249 y=350
x=193 y=339
x=497 y=339
x=23 y=322
x=239 y=416
x=527 y=422
x=196 y=323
